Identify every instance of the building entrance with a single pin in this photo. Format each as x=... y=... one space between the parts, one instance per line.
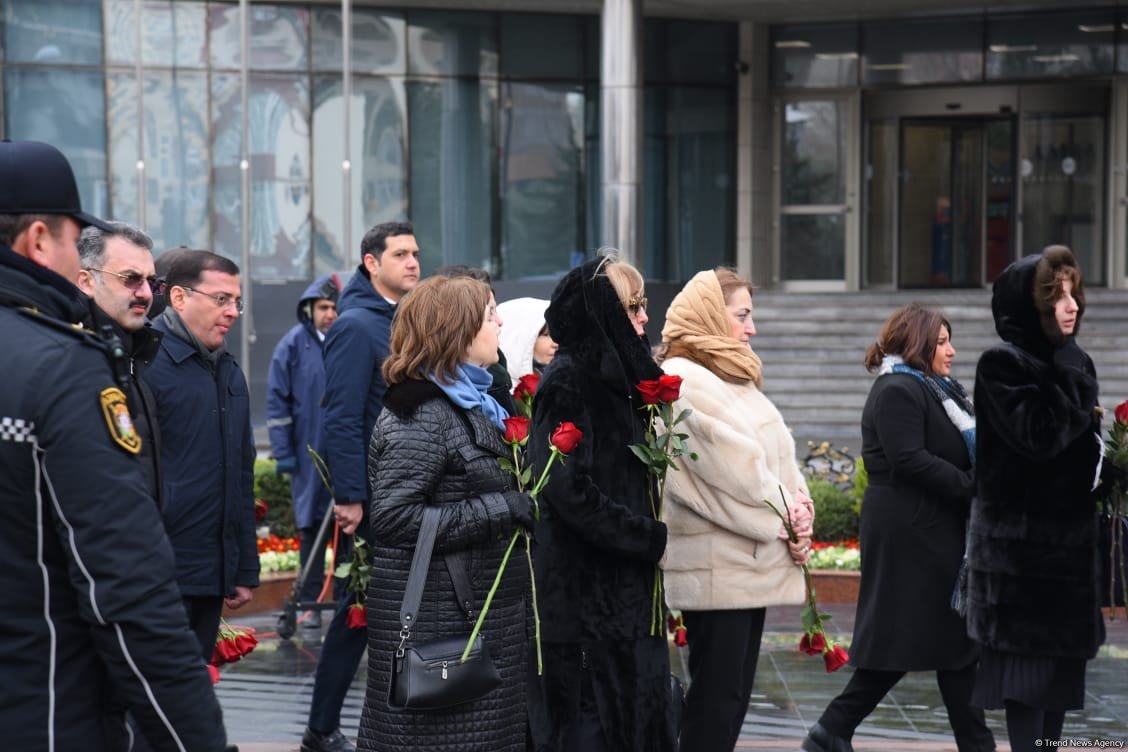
x=960 y=182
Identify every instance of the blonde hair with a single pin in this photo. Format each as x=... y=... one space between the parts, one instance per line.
x=432 y=328
x=624 y=278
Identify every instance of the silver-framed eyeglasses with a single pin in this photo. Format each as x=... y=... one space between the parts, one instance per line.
x=221 y=299
x=132 y=280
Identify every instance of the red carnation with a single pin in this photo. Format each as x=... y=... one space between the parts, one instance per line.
x=812 y=644
x=566 y=437
x=669 y=387
x=526 y=386
x=1122 y=412
x=651 y=391
x=835 y=658
x=356 y=618
x=516 y=430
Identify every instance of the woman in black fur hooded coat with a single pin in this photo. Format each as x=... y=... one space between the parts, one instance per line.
x=605 y=683
x=1033 y=598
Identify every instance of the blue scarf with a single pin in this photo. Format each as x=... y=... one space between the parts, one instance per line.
x=469 y=390
x=948 y=392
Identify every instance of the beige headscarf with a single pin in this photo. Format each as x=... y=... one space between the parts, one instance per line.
x=697 y=324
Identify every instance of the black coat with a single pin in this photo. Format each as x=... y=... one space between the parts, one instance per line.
x=1033 y=580
x=91 y=607
x=912 y=532
x=425 y=451
x=597 y=543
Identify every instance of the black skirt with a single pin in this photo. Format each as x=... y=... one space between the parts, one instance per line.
x=1043 y=682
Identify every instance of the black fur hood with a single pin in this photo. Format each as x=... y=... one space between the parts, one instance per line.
x=587 y=320
x=1022 y=317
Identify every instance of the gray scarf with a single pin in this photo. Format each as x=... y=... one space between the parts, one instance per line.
x=176 y=325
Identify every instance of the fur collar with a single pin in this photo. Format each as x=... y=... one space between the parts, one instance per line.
x=404 y=399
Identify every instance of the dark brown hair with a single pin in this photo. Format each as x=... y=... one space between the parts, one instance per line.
x=1057 y=265
x=911 y=332
x=432 y=328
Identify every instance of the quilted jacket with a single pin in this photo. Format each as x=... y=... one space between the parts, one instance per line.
x=425 y=451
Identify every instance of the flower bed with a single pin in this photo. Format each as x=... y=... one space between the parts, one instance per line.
x=844 y=556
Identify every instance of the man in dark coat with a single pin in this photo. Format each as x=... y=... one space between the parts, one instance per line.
x=207 y=449
x=91 y=609
x=295 y=384
x=355 y=348
x=1033 y=600
x=119 y=275
x=605 y=683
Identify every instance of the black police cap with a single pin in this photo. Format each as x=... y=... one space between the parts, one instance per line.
x=35 y=178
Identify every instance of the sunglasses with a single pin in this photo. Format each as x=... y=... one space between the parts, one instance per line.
x=637 y=302
x=133 y=280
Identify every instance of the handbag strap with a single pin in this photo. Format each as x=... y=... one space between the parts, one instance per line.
x=420 y=563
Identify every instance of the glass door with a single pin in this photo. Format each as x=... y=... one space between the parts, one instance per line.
x=815 y=231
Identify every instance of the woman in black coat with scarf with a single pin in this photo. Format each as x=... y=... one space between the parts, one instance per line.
x=606 y=678
x=435 y=447
x=918 y=443
x=1033 y=583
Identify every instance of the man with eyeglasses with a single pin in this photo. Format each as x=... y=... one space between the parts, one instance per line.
x=118 y=274
x=91 y=607
x=207 y=449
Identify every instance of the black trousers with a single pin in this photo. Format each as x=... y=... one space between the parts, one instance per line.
x=204 y=612
x=866 y=688
x=724 y=647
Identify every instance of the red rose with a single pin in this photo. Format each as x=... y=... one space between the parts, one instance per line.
x=516 y=430
x=526 y=386
x=1122 y=412
x=245 y=642
x=261 y=509
x=835 y=658
x=566 y=437
x=681 y=637
x=356 y=618
x=812 y=644
x=669 y=387
x=213 y=673
x=225 y=652
x=651 y=391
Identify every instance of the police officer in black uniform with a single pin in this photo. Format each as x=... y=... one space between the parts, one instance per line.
x=91 y=609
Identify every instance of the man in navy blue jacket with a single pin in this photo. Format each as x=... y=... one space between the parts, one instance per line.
x=207 y=449
x=295 y=383
x=355 y=349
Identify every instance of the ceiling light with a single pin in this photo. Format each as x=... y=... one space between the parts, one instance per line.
x=1066 y=58
x=1091 y=28
x=792 y=44
x=890 y=66
x=1013 y=47
x=836 y=56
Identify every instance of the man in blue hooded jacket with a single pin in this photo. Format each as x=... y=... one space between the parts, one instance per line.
x=295 y=383
x=355 y=349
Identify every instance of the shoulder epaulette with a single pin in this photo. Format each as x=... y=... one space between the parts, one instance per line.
x=75 y=330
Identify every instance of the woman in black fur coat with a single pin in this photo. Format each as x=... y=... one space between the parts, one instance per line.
x=1032 y=591
x=605 y=682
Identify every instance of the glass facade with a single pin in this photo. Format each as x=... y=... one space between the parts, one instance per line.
x=482 y=128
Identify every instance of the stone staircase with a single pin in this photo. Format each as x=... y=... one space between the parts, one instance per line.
x=812 y=346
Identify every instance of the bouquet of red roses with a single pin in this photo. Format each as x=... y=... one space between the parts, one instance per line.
x=1115 y=505
x=814 y=640
x=662 y=446
x=231 y=644
x=563 y=440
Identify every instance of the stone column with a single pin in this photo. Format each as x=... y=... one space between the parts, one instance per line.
x=621 y=127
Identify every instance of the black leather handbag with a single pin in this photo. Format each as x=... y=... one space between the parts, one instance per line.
x=431 y=675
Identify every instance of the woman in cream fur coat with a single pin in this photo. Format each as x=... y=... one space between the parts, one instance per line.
x=727 y=557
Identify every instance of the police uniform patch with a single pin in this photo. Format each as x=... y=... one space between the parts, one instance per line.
x=116 y=412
